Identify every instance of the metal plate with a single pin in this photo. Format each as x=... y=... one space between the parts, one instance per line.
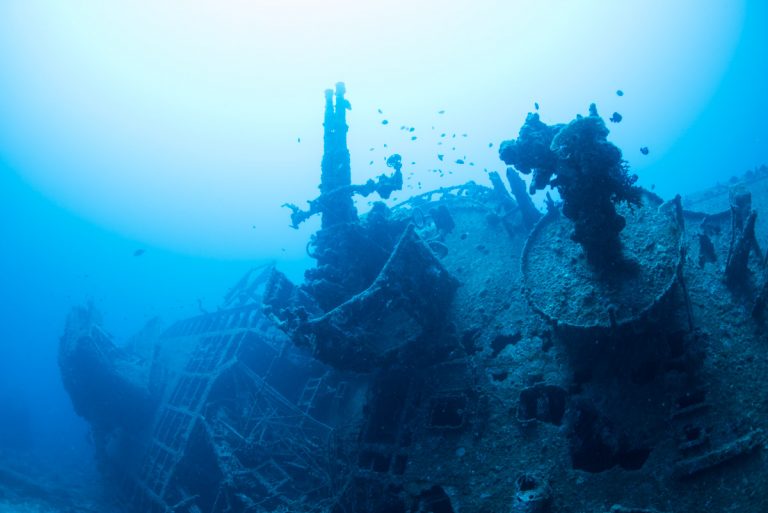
x=563 y=287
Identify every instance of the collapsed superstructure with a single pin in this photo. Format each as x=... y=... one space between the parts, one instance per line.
x=460 y=352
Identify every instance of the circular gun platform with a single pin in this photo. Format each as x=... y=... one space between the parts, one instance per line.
x=562 y=286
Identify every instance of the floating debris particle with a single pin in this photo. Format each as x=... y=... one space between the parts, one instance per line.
x=644 y=150
x=616 y=118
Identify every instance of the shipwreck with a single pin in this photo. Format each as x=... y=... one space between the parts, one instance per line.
x=460 y=352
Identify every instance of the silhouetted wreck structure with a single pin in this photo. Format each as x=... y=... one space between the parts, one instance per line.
x=460 y=351
x=377 y=285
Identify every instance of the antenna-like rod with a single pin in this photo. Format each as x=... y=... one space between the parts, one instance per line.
x=336 y=174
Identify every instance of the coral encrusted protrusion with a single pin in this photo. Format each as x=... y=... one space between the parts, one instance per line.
x=588 y=172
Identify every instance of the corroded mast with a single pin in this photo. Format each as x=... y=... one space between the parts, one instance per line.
x=336 y=174
x=347 y=260
x=336 y=203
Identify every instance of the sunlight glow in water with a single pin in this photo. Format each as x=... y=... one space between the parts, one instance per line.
x=178 y=122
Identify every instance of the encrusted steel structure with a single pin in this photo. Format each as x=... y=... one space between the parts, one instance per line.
x=431 y=362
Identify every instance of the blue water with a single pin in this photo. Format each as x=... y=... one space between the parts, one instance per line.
x=56 y=254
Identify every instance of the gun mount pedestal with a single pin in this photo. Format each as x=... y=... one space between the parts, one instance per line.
x=562 y=286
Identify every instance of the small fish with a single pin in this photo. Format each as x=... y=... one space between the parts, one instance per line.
x=411 y=129
x=459 y=161
x=384 y=122
x=619 y=93
x=139 y=252
x=380 y=111
x=536 y=105
x=370 y=149
x=370 y=163
x=463 y=135
x=442 y=135
x=441 y=112
x=440 y=156
x=413 y=138
x=644 y=150
x=298 y=139
x=490 y=145
x=616 y=118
